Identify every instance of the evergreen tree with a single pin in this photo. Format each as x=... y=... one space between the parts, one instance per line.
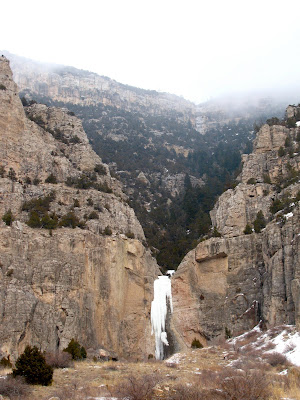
x=247 y=230
x=77 y=351
x=32 y=365
x=260 y=222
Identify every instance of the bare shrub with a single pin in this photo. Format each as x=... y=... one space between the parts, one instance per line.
x=249 y=385
x=75 y=390
x=268 y=346
x=247 y=339
x=137 y=387
x=275 y=331
x=275 y=359
x=193 y=392
x=59 y=359
x=250 y=350
x=14 y=388
x=253 y=335
x=289 y=347
x=208 y=379
x=246 y=364
x=185 y=392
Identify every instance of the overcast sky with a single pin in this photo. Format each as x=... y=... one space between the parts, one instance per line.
x=197 y=49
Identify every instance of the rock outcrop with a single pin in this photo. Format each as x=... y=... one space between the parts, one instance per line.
x=70 y=85
x=72 y=261
x=229 y=283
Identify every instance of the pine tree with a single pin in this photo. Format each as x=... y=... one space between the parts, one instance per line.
x=32 y=365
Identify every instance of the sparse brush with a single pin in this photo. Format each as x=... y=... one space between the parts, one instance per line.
x=208 y=379
x=59 y=359
x=268 y=346
x=14 y=388
x=275 y=359
x=186 y=392
x=75 y=390
x=249 y=385
x=275 y=331
x=253 y=364
x=139 y=387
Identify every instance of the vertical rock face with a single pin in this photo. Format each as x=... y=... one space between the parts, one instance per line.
x=91 y=282
x=228 y=284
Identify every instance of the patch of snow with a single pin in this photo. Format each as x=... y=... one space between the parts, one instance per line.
x=170 y=272
x=103 y=398
x=288 y=215
x=255 y=329
x=175 y=359
x=284 y=372
x=159 y=309
x=288 y=343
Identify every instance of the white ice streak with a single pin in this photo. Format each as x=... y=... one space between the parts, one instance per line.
x=159 y=308
x=164 y=339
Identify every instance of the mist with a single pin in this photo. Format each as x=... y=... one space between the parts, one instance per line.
x=193 y=49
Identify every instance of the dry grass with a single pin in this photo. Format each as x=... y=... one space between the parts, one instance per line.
x=14 y=388
x=204 y=372
x=137 y=387
x=287 y=386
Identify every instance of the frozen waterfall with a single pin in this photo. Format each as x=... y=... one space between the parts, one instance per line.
x=159 y=309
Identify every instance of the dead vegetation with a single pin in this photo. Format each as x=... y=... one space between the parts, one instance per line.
x=202 y=374
x=137 y=387
x=14 y=388
x=60 y=359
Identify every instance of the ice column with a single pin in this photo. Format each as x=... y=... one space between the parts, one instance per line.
x=159 y=309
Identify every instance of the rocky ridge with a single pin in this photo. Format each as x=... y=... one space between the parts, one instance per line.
x=71 y=85
x=72 y=262
x=151 y=141
x=227 y=284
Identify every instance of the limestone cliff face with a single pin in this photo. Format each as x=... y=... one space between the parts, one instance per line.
x=232 y=282
x=264 y=174
x=62 y=283
x=70 y=85
x=74 y=284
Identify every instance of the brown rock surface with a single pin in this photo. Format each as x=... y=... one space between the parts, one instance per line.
x=228 y=284
x=65 y=283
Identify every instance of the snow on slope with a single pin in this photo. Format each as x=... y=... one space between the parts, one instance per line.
x=284 y=339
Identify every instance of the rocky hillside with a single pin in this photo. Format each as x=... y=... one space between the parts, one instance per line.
x=72 y=262
x=152 y=141
x=250 y=270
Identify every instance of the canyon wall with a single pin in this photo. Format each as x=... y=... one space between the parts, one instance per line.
x=227 y=284
x=72 y=259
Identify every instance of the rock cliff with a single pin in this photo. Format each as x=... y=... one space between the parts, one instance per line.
x=71 y=85
x=228 y=284
x=72 y=261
